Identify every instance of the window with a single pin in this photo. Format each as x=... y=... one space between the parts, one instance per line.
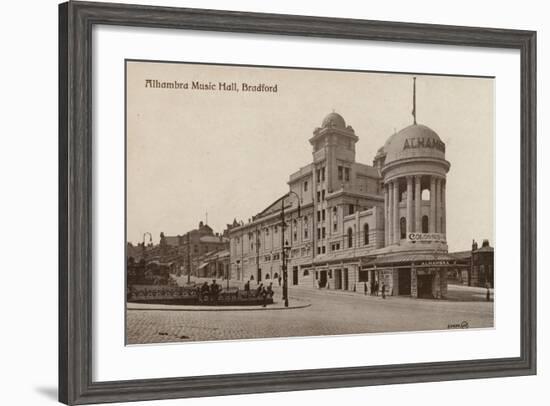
x=318 y=233
x=323 y=249
x=403 y=227
x=340 y=173
x=306 y=272
x=324 y=232
x=318 y=196
x=323 y=174
x=267 y=231
x=426 y=194
x=347 y=174
x=335 y=226
x=425 y=224
x=323 y=195
x=366 y=234
x=363 y=276
x=305 y=186
x=318 y=175
x=318 y=250
x=350 y=238
x=275 y=229
x=318 y=215
x=351 y=209
x=323 y=215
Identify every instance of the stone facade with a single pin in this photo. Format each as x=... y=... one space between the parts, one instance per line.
x=351 y=226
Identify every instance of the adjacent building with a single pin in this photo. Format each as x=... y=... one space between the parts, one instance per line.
x=475 y=267
x=352 y=226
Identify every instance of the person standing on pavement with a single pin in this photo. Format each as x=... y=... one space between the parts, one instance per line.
x=383 y=290
x=264 y=296
x=376 y=288
x=365 y=288
x=259 y=289
x=214 y=290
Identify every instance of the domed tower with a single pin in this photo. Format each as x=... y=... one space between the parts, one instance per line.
x=414 y=174
x=334 y=146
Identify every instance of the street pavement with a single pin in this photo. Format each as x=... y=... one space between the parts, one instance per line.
x=330 y=313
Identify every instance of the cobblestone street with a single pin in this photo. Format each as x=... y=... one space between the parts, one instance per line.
x=330 y=313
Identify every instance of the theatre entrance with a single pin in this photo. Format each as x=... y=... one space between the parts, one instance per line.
x=404 y=282
x=424 y=283
x=322 y=279
x=345 y=279
x=337 y=279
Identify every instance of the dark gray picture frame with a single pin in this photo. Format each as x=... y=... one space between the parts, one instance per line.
x=76 y=20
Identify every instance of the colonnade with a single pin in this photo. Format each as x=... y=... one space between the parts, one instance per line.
x=413 y=212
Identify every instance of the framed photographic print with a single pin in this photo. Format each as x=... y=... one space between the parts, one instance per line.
x=258 y=202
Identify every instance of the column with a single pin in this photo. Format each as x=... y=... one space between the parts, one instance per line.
x=389 y=213
x=432 y=205
x=443 y=207
x=418 y=202
x=396 y=231
x=438 y=205
x=410 y=219
x=386 y=227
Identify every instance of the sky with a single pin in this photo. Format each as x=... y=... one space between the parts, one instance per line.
x=229 y=154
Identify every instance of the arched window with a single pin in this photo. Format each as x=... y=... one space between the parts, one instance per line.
x=403 y=227
x=426 y=194
x=350 y=238
x=366 y=234
x=425 y=224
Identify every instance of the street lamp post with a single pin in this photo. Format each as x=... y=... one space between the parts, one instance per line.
x=285 y=246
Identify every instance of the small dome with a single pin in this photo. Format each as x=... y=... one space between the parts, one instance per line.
x=414 y=141
x=334 y=120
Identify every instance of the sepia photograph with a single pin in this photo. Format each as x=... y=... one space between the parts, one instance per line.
x=270 y=202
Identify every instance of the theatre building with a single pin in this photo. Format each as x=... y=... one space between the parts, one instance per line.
x=351 y=226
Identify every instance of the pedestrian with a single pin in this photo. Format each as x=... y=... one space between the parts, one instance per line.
x=247 y=288
x=264 y=296
x=270 y=289
x=488 y=292
x=259 y=289
x=383 y=290
x=214 y=290
x=365 y=288
x=279 y=280
x=205 y=291
x=376 y=288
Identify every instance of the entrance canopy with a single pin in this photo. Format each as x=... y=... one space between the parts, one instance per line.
x=420 y=259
